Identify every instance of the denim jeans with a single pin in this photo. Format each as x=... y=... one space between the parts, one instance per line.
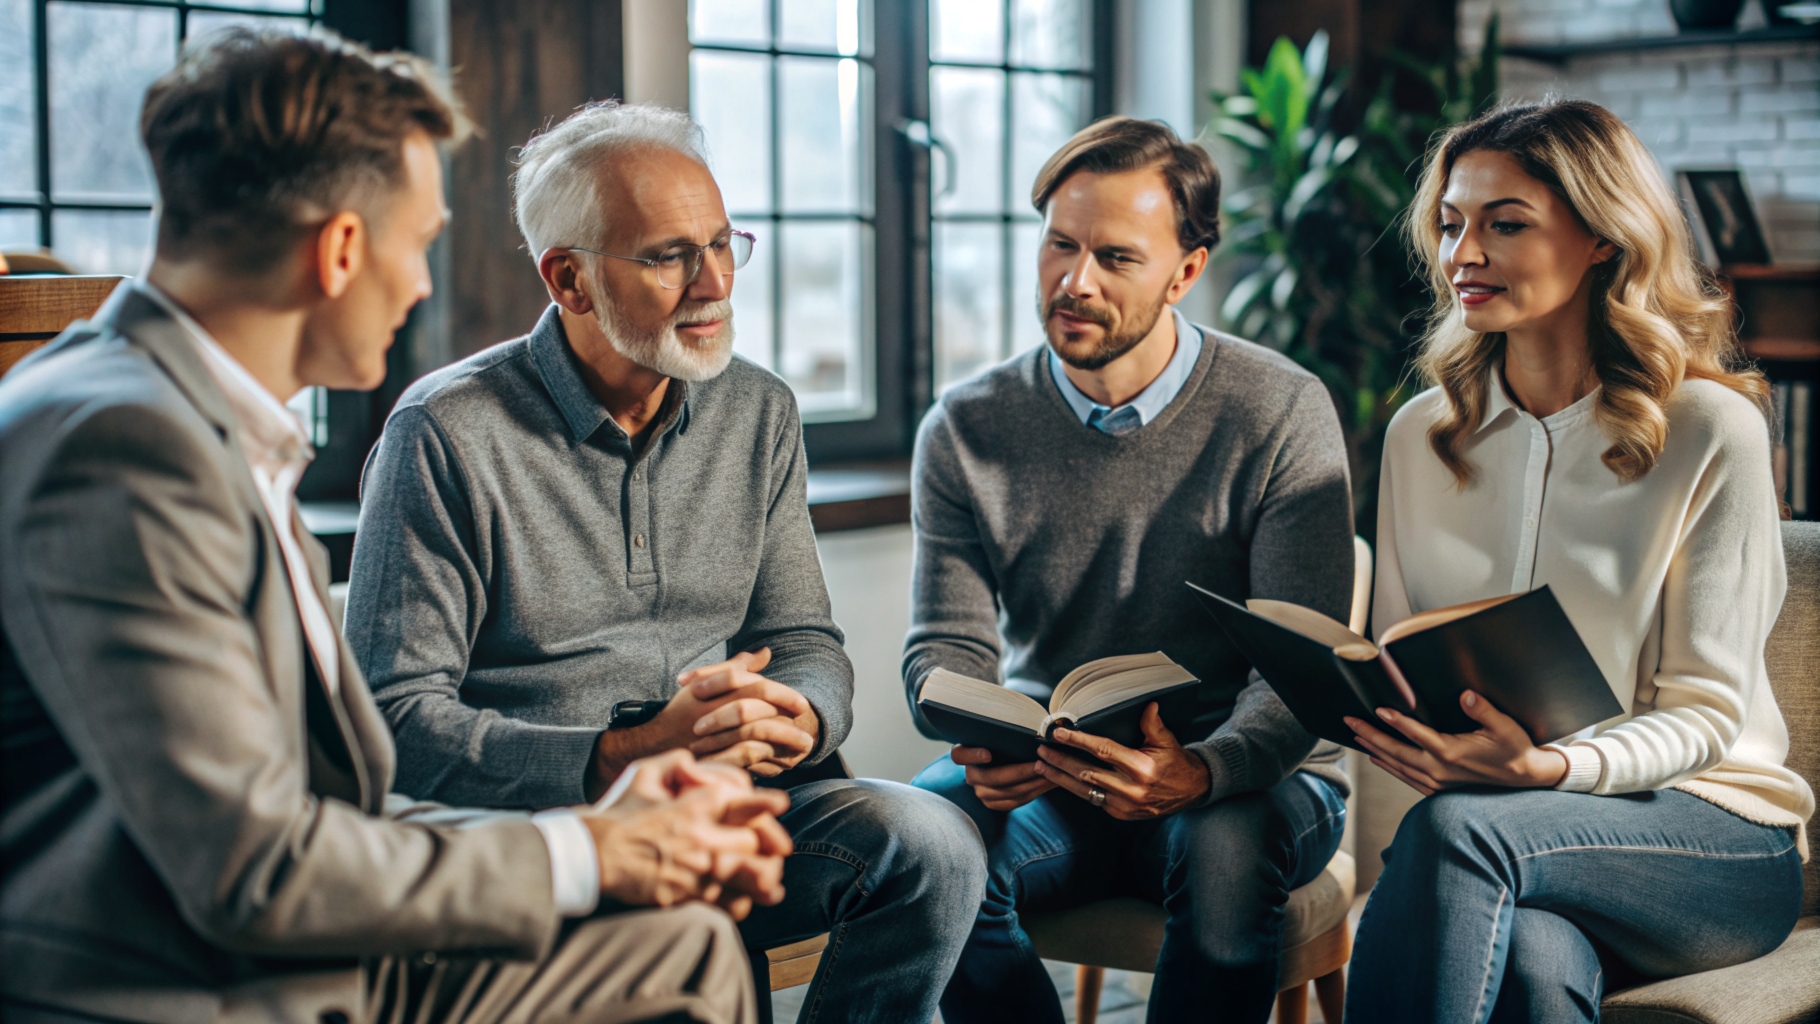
x=895 y=876
x=1222 y=872
x=1518 y=905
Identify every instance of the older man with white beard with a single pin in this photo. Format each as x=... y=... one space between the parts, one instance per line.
x=592 y=544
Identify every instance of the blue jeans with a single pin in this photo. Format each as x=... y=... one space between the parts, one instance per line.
x=1519 y=905
x=894 y=875
x=1222 y=872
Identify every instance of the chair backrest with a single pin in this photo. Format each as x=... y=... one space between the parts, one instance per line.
x=33 y=310
x=1794 y=672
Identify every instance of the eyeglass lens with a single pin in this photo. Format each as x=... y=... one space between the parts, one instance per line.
x=679 y=266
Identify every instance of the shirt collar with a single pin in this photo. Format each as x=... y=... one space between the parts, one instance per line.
x=555 y=362
x=269 y=432
x=1155 y=397
x=1498 y=403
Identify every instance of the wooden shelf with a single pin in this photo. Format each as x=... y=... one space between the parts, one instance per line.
x=1561 y=53
x=1783 y=350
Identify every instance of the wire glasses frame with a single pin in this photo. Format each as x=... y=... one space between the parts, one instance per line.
x=679 y=265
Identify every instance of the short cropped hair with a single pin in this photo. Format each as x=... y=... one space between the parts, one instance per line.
x=256 y=136
x=556 y=193
x=1113 y=145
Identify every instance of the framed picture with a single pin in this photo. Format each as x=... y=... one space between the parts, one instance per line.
x=1725 y=210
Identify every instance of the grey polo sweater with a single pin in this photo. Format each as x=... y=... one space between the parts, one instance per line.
x=519 y=569
x=1042 y=543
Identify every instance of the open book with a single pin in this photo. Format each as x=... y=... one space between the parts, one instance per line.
x=1520 y=652
x=1105 y=697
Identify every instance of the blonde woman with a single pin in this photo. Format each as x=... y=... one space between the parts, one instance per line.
x=1587 y=431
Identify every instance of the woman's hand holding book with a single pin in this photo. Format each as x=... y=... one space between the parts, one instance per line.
x=1498 y=753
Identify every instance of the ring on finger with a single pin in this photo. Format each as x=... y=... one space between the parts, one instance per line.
x=1096 y=796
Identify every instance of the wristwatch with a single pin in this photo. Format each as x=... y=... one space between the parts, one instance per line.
x=628 y=713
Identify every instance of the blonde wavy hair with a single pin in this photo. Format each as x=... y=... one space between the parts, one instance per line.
x=1658 y=315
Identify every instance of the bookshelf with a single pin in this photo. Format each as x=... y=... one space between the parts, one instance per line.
x=1779 y=325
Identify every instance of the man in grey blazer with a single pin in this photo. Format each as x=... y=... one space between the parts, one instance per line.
x=195 y=821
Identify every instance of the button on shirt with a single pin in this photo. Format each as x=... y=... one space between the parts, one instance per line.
x=1672 y=580
x=277 y=452
x=1149 y=402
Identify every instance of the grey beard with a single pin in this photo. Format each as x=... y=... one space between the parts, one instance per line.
x=662 y=350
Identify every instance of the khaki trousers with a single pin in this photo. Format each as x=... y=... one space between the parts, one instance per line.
x=682 y=964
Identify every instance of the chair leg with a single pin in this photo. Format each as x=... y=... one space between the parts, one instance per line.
x=1087 y=984
x=1330 y=992
x=1292 y=1005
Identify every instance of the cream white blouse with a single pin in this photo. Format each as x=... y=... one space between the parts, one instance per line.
x=1672 y=580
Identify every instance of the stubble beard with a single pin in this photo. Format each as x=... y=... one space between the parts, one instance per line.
x=1112 y=344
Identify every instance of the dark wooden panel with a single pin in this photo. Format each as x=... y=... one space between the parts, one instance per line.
x=39 y=308
x=518 y=66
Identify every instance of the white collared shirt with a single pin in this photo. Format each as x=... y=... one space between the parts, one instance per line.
x=277 y=451
x=1672 y=580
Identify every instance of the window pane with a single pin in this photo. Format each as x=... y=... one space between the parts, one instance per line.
x=730 y=96
x=1046 y=110
x=295 y=6
x=969 y=300
x=752 y=296
x=18 y=132
x=821 y=116
x=746 y=22
x=18 y=230
x=203 y=22
x=102 y=58
x=1026 y=303
x=102 y=241
x=1051 y=34
x=968 y=109
x=971 y=31
x=824 y=316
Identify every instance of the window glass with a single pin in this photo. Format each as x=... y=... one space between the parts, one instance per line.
x=731 y=97
x=18 y=229
x=967 y=31
x=1002 y=124
x=203 y=22
x=790 y=131
x=103 y=241
x=102 y=57
x=18 y=133
x=736 y=22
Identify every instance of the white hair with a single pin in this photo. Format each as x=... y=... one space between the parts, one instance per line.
x=556 y=187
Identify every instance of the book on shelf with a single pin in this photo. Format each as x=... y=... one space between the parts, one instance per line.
x=1800 y=442
x=1519 y=651
x=1105 y=697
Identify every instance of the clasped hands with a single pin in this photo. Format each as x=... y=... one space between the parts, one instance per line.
x=1498 y=753
x=1155 y=779
x=726 y=713
x=674 y=830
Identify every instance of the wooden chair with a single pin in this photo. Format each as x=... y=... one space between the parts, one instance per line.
x=1127 y=933
x=33 y=310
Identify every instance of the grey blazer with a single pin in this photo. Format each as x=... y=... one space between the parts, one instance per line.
x=191 y=826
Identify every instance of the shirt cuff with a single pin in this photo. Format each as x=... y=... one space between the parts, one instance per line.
x=1584 y=767
x=574 y=861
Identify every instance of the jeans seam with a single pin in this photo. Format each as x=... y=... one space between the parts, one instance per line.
x=836 y=936
x=1669 y=850
x=833 y=852
x=1485 y=985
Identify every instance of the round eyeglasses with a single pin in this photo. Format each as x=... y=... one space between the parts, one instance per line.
x=679 y=265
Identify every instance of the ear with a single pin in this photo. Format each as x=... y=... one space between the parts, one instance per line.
x=562 y=276
x=1604 y=251
x=341 y=250
x=1190 y=270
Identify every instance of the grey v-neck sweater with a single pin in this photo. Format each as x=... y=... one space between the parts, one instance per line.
x=1042 y=543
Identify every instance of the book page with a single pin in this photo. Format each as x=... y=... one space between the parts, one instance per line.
x=1101 y=668
x=1133 y=675
x=1314 y=626
x=990 y=700
x=1440 y=616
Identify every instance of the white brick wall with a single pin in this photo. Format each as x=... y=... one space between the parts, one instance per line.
x=1755 y=107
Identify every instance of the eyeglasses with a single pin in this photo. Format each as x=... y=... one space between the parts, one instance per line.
x=679 y=265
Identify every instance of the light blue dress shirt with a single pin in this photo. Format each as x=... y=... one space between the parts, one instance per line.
x=1149 y=402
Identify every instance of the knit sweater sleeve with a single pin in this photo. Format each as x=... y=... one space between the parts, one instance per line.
x=1301 y=551
x=953 y=595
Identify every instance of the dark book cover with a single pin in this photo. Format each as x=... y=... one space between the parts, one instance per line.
x=1014 y=744
x=1523 y=655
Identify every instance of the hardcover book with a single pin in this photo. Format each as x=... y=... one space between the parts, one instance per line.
x=1519 y=651
x=1105 y=697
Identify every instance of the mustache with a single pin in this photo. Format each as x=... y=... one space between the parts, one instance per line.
x=1065 y=303
x=720 y=309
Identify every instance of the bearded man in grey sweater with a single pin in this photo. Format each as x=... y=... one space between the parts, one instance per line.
x=592 y=544
x=1061 y=501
